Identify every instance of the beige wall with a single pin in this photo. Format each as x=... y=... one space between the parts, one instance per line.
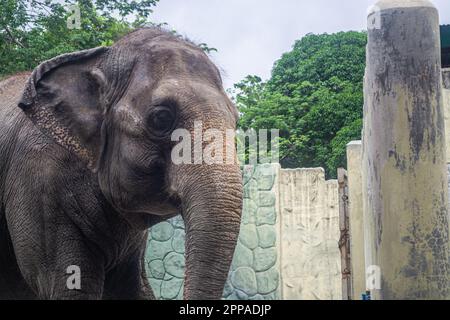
x=310 y=257
x=355 y=208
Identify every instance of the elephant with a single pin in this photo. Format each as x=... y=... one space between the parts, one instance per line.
x=86 y=169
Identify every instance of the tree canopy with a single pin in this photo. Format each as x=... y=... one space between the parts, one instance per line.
x=35 y=30
x=314 y=97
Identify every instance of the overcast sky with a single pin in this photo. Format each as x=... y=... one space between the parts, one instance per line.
x=252 y=34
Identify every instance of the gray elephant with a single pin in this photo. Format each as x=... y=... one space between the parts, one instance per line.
x=85 y=170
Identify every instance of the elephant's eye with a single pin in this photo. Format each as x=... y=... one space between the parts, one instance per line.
x=162 y=120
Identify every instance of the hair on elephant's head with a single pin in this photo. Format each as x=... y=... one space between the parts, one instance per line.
x=116 y=108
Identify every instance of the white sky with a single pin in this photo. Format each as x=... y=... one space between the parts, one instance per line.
x=252 y=34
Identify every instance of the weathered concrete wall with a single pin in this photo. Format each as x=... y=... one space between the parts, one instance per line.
x=446 y=106
x=354 y=173
x=404 y=153
x=287 y=247
x=359 y=247
x=310 y=257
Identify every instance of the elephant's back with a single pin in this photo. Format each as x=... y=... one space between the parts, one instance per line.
x=12 y=123
x=12 y=86
x=11 y=89
x=11 y=117
x=17 y=133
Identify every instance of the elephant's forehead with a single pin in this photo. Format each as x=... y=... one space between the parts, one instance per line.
x=188 y=90
x=177 y=58
x=173 y=46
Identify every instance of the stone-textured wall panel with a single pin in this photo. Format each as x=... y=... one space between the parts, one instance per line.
x=254 y=273
x=165 y=259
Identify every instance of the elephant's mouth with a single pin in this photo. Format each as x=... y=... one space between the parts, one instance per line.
x=159 y=203
x=141 y=191
x=151 y=213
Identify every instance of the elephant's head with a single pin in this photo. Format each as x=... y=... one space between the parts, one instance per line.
x=116 y=109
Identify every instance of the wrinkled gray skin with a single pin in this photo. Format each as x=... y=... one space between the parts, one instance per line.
x=85 y=169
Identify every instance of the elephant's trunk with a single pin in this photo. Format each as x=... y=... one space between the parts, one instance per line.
x=212 y=204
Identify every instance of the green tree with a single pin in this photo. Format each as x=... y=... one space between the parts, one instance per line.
x=314 y=97
x=35 y=30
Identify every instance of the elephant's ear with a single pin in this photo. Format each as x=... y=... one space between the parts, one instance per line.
x=63 y=99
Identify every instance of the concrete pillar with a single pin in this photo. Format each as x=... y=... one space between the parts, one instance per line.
x=355 y=207
x=404 y=153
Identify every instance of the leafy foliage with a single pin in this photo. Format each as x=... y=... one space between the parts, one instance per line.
x=314 y=98
x=35 y=30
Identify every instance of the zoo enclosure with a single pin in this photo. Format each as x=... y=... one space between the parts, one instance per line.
x=291 y=234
